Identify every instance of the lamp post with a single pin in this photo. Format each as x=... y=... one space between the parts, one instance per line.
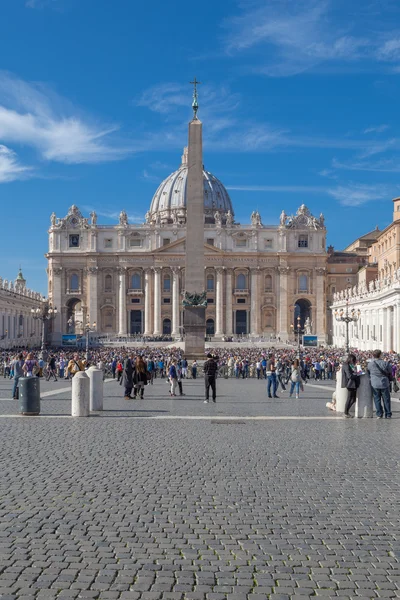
x=297 y=331
x=88 y=328
x=43 y=314
x=347 y=316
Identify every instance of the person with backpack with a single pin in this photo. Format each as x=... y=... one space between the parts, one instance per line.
x=380 y=373
x=75 y=365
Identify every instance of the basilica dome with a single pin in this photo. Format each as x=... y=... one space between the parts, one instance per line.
x=169 y=201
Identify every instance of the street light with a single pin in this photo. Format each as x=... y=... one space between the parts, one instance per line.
x=88 y=329
x=44 y=313
x=298 y=332
x=346 y=316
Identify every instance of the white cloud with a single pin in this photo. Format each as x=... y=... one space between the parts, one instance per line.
x=278 y=188
x=357 y=194
x=10 y=168
x=389 y=165
x=376 y=129
x=42 y=3
x=113 y=215
x=31 y=115
x=288 y=37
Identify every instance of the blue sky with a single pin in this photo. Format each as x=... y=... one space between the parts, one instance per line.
x=299 y=104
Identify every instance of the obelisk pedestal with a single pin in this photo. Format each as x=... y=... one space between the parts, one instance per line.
x=195 y=301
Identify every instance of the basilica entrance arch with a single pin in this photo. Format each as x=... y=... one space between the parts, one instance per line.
x=74 y=316
x=302 y=309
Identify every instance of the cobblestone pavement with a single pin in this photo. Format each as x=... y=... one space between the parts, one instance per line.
x=115 y=507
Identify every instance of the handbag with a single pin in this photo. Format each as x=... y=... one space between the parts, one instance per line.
x=396 y=387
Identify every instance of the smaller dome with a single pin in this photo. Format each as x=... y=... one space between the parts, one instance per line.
x=170 y=200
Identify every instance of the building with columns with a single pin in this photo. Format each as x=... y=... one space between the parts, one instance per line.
x=375 y=294
x=17 y=325
x=130 y=279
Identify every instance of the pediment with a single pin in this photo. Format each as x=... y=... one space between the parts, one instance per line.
x=180 y=246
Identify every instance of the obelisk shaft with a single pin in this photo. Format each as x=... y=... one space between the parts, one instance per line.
x=194 y=272
x=195 y=316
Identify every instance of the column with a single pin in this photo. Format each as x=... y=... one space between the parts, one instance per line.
x=219 y=299
x=157 y=301
x=283 y=302
x=319 y=310
x=122 y=326
x=56 y=300
x=175 y=301
x=388 y=329
x=147 y=302
x=92 y=300
x=397 y=330
x=255 y=305
x=228 y=313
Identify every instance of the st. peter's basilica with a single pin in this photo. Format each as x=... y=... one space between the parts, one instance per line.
x=129 y=279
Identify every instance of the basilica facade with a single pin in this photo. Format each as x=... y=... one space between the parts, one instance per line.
x=129 y=279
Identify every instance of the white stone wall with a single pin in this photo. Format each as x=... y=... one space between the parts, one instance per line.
x=17 y=326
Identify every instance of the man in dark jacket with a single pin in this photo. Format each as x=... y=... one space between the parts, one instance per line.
x=210 y=374
x=380 y=373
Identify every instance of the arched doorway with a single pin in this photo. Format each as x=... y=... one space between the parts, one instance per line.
x=210 y=327
x=166 y=327
x=74 y=316
x=302 y=309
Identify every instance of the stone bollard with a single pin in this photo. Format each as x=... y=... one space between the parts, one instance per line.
x=80 y=394
x=364 y=404
x=96 y=388
x=341 y=393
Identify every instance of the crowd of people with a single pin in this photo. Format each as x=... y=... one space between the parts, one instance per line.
x=281 y=368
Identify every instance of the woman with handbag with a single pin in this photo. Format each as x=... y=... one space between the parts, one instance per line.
x=351 y=381
x=139 y=378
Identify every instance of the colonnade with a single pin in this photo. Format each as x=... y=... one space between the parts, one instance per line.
x=17 y=331
x=378 y=327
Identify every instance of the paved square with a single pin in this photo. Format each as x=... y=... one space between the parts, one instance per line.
x=130 y=504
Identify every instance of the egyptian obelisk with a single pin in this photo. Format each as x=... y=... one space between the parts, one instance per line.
x=195 y=301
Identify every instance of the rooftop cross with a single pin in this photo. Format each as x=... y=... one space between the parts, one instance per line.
x=195 y=104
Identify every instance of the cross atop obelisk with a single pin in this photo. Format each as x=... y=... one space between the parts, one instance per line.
x=195 y=299
x=195 y=104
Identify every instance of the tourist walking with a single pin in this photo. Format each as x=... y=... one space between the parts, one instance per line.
x=194 y=369
x=295 y=378
x=17 y=366
x=173 y=378
x=127 y=377
x=380 y=373
x=30 y=367
x=75 y=365
x=139 y=378
x=210 y=374
x=272 y=384
x=351 y=381
x=51 y=368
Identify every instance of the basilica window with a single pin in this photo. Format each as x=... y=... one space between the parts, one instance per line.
x=210 y=241
x=167 y=283
x=303 y=283
x=268 y=283
x=74 y=283
x=136 y=282
x=74 y=240
x=268 y=243
x=135 y=242
x=108 y=243
x=303 y=241
x=241 y=243
x=108 y=283
x=210 y=283
x=166 y=241
x=241 y=283
x=108 y=318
